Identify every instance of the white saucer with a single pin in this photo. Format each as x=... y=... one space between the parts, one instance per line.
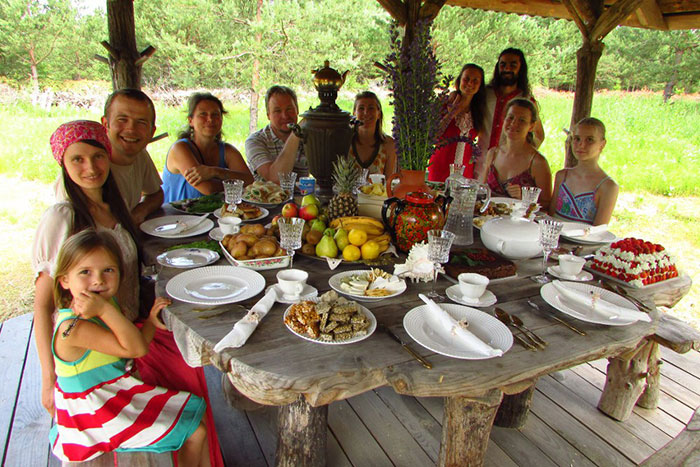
x=216 y=234
x=308 y=293
x=582 y=276
x=455 y=294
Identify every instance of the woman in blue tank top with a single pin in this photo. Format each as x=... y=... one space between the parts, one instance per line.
x=585 y=193
x=198 y=162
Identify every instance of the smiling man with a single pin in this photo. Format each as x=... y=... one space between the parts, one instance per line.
x=276 y=148
x=509 y=81
x=129 y=118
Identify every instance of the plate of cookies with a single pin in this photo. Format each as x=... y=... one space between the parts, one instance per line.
x=330 y=319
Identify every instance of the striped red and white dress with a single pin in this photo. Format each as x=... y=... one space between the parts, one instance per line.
x=101 y=406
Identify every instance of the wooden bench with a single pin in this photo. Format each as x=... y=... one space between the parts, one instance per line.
x=132 y=459
x=684 y=449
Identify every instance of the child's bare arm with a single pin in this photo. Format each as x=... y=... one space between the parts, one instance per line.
x=607 y=194
x=121 y=338
x=149 y=327
x=555 y=193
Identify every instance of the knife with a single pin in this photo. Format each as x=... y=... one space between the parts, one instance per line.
x=406 y=347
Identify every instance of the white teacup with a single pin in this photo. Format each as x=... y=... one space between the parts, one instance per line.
x=571 y=265
x=230 y=225
x=472 y=285
x=292 y=282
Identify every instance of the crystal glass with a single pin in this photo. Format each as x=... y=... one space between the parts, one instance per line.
x=529 y=195
x=233 y=191
x=290 y=234
x=457 y=168
x=287 y=181
x=362 y=178
x=549 y=239
x=439 y=244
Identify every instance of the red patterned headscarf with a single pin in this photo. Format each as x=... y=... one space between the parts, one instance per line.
x=74 y=132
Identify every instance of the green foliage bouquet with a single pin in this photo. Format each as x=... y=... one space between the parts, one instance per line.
x=414 y=77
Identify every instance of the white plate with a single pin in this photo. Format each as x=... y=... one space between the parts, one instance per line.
x=592 y=239
x=216 y=234
x=336 y=279
x=263 y=214
x=307 y=293
x=550 y=295
x=454 y=293
x=215 y=285
x=151 y=225
x=582 y=276
x=370 y=330
x=484 y=326
x=260 y=203
x=186 y=258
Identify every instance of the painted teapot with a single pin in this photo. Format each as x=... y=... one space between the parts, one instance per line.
x=411 y=218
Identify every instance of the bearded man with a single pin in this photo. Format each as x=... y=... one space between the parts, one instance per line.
x=509 y=81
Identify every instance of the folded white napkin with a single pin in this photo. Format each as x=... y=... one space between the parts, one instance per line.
x=597 y=304
x=594 y=229
x=245 y=326
x=441 y=319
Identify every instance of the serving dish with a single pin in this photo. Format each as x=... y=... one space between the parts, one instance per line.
x=273 y=262
x=513 y=238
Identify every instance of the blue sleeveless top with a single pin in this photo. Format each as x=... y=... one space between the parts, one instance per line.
x=175 y=187
x=580 y=207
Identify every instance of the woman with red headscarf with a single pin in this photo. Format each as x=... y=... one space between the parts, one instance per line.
x=83 y=150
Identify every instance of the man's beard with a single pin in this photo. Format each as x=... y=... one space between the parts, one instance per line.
x=508 y=79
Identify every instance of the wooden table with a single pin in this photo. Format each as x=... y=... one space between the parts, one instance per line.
x=275 y=367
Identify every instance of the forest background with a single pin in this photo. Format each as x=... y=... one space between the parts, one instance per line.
x=238 y=48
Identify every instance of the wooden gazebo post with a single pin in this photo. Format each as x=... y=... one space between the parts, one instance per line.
x=124 y=59
x=409 y=12
x=595 y=23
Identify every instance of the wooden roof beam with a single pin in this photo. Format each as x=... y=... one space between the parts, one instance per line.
x=431 y=8
x=612 y=17
x=396 y=9
x=581 y=23
x=650 y=16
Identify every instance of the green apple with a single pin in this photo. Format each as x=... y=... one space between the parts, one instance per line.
x=310 y=199
x=318 y=224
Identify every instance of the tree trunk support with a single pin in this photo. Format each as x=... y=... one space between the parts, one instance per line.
x=650 y=397
x=513 y=411
x=125 y=61
x=595 y=22
x=302 y=435
x=466 y=426
x=626 y=380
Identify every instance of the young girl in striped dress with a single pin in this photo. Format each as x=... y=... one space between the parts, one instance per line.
x=100 y=405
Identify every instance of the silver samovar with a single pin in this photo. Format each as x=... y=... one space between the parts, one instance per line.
x=326 y=130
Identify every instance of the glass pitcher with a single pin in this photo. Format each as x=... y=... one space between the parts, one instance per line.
x=464 y=192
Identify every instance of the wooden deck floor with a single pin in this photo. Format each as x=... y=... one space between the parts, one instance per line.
x=383 y=428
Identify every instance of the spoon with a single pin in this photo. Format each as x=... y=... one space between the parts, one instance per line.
x=519 y=323
x=505 y=319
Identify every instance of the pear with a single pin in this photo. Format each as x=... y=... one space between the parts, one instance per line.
x=327 y=247
x=318 y=224
x=341 y=239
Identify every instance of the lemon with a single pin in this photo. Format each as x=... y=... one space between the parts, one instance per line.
x=370 y=250
x=351 y=253
x=357 y=237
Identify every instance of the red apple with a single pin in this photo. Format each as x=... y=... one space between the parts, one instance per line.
x=276 y=218
x=309 y=212
x=290 y=210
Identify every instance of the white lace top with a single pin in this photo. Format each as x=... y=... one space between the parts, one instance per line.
x=53 y=229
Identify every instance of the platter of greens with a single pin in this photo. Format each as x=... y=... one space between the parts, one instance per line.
x=202 y=205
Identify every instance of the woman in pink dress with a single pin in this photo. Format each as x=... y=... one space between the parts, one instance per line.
x=462 y=124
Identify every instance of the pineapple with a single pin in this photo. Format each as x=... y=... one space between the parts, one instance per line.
x=344 y=201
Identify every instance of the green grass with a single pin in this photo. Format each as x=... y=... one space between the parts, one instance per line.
x=652 y=147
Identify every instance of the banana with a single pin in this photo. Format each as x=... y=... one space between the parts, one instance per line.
x=368 y=224
x=385 y=237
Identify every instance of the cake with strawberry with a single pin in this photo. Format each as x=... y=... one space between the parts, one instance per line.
x=635 y=261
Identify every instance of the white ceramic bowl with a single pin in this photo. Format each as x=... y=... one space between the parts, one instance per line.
x=513 y=238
